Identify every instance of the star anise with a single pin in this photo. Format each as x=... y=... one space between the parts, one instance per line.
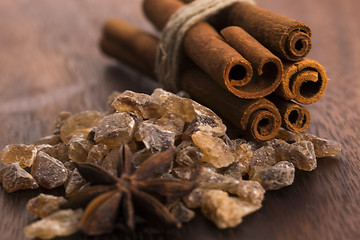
x=110 y=199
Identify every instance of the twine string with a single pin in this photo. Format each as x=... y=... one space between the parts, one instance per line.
x=169 y=50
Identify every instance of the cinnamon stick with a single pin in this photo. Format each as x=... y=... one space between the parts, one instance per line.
x=135 y=45
x=216 y=57
x=285 y=37
x=266 y=66
x=294 y=117
x=304 y=81
x=258 y=118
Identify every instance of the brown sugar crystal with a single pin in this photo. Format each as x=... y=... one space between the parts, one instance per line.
x=139 y=103
x=322 y=147
x=14 y=178
x=44 y=204
x=79 y=148
x=48 y=171
x=81 y=123
x=225 y=211
x=172 y=122
x=97 y=153
x=60 y=223
x=155 y=137
x=59 y=151
x=274 y=177
x=215 y=150
x=22 y=154
x=114 y=128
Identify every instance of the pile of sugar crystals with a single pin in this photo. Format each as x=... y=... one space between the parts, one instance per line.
x=231 y=175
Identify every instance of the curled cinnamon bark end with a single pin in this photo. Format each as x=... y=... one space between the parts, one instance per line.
x=304 y=81
x=219 y=60
x=285 y=37
x=267 y=67
x=295 y=117
x=237 y=74
x=259 y=119
x=297 y=43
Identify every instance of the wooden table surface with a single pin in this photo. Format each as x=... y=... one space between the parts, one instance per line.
x=50 y=61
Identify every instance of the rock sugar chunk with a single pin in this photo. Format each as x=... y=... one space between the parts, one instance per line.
x=97 y=153
x=154 y=137
x=208 y=120
x=263 y=157
x=114 y=128
x=304 y=156
x=59 y=151
x=48 y=171
x=22 y=154
x=195 y=198
x=80 y=123
x=62 y=116
x=280 y=175
x=250 y=191
x=225 y=211
x=79 y=148
x=14 y=178
x=139 y=103
x=322 y=147
x=207 y=178
x=216 y=152
x=187 y=153
x=188 y=110
x=59 y=224
x=171 y=103
x=234 y=170
x=206 y=124
x=300 y=153
x=243 y=155
x=171 y=122
x=44 y=204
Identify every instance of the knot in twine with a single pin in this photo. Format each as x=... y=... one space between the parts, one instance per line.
x=168 y=53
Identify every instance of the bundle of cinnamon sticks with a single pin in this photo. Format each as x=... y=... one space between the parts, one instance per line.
x=247 y=65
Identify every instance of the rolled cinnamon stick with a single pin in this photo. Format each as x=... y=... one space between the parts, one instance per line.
x=285 y=37
x=134 y=44
x=304 y=81
x=224 y=64
x=266 y=66
x=294 y=117
x=258 y=118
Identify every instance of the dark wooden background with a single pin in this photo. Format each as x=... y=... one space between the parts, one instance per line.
x=50 y=61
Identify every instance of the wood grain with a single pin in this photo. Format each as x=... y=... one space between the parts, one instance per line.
x=50 y=62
